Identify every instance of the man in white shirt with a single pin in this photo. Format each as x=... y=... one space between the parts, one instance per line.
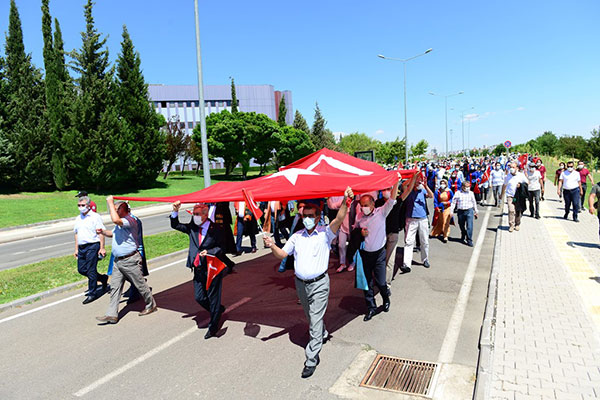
x=570 y=184
x=512 y=182
x=497 y=176
x=372 y=225
x=88 y=247
x=310 y=247
x=535 y=190
x=465 y=206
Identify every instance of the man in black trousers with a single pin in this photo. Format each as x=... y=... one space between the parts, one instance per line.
x=206 y=238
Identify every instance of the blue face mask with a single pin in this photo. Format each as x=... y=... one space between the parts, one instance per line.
x=309 y=223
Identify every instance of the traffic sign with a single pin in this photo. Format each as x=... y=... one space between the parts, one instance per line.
x=507 y=144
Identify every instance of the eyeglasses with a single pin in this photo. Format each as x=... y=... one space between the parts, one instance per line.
x=197 y=215
x=308 y=216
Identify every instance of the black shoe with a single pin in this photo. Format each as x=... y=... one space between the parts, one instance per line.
x=89 y=299
x=470 y=243
x=210 y=333
x=370 y=314
x=537 y=217
x=444 y=240
x=575 y=220
x=386 y=305
x=426 y=264
x=405 y=268
x=566 y=216
x=237 y=254
x=104 y=280
x=308 y=371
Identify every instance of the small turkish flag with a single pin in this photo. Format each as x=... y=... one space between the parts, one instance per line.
x=251 y=204
x=214 y=266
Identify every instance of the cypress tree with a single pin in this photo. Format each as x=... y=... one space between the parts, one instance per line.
x=282 y=112
x=25 y=127
x=321 y=137
x=142 y=123
x=234 y=100
x=6 y=147
x=300 y=123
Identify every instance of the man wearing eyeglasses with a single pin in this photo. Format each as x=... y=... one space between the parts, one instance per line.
x=310 y=247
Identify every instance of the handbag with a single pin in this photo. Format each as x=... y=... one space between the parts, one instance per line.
x=361 y=279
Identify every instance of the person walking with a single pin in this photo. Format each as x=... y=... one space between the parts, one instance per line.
x=127 y=261
x=415 y=198
x=89 y=246
x=311 y=248
x=464 y=205
x=534 y=190
x=497 y=177
x=206 y=238
x=569 y=184
x=512 y=182
x=542 y=168
x=441 y=216
x=561 y=168
x=246 y=225
x=584 y=173
x=593 y=202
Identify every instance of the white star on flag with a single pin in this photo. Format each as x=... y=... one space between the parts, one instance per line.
x=292 y=174
x=335 y=163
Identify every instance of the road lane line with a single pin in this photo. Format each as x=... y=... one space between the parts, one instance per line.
x=107 y=378
x=449 y=345
x=24 y=313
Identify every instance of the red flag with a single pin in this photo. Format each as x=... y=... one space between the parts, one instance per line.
x=214 y=266
x=523 y=160
x=486 y=175
x=251 y=204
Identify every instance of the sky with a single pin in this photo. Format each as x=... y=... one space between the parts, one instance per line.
x=525 y=67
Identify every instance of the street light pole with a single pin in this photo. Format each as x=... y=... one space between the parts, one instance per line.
x=205 y=165
x=404 y=61
x=446 y=111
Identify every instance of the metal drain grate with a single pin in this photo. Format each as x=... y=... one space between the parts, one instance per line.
x=400 y=375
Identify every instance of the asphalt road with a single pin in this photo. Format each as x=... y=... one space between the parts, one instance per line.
x=59 y=351
x=27 y=251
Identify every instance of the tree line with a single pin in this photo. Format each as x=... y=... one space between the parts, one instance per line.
x=93 y=129
x=570 y=146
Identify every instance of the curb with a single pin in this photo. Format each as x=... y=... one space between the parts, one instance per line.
x=69 y=286
x=488 y=327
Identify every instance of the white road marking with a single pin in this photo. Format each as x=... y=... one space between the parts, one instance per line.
x=43 y=248
x=24 y=313
x=154 y=351
x=449 y=345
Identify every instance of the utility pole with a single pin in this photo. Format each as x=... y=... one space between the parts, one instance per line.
x=205 y=165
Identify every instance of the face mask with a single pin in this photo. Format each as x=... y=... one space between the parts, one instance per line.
x=539 y=165
x=570 y=169
x=562 y=167
x=532 y=169
x=83 y=209
x=466 y=189
x=443 y=187
x=386 y=194
x=580 y=167
x=366 y=210
x=420 y=187
x=497 y=167
x=197 y=219
x=309 y=223
x=513 y=171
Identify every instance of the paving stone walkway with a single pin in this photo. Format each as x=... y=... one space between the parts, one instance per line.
x=546 y=338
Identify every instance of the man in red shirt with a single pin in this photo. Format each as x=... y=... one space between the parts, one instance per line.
x=542 y=169
x=584 y=173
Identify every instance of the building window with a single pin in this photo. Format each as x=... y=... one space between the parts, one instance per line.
x=188 y=103
x=182 y=125
x=163 y=104
x=228 y=102
x=196 y=103
x=180 y=104
x=190 y=125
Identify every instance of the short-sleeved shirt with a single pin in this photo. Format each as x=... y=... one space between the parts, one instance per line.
x=583 y=173
x=542 y=170
x=375 y=224
x=570 y=179
x=497 y=177
x=123 y=242
x=416 y=206
x=535 y=178
x=311 y=252
x=85 y=227
x=511 y=182
x=596 y=191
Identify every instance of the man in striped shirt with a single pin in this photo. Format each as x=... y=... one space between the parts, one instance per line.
x=465 y=206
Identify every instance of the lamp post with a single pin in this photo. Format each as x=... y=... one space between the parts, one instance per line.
x=404 y=61
x=205 y=165
x=446 y=111
x=462 y=121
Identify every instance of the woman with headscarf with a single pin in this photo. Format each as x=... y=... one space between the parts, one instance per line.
x=441 y=217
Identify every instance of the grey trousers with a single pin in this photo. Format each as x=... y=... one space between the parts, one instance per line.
x=314 y=298
x=390 y=256
x=130 y=267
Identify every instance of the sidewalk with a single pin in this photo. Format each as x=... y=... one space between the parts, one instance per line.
x=546 y=334
x=65 y=225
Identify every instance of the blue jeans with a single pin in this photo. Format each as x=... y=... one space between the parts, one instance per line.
x=572 y=197
x=465 y=222
x=240 y=235
x=87 y=263
x=278 y=231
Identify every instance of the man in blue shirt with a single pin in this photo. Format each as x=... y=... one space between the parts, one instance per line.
x=416 y=221
x=127 y=261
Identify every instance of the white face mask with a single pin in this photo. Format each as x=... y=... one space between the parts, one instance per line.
x=570 y=169
x=386 y=194
x=532 y=169
x=420 y=187
x=580 y=167
x=513 y=171
x=497 y=167
x=83 y=209
x=443 y=187
x=466 y=189
x=197 y=219
x=366 y=210
x=308 y=222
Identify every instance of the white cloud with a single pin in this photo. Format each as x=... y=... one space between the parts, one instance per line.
x=379 y=132
x=520 y=108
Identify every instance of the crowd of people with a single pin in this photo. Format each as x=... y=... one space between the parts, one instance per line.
x=360 y=233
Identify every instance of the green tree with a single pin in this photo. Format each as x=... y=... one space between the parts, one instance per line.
x=142 y=123
x=25 y=128
x=176 y=142
x=282 y=112
x=420 y=148
x=300 y=123
x=499 y=150
x=358 y=142
x=321 y=137
x=594 y=144
x=574 y=146
x=234 y=100
x=391 y=152
x=547 y=143
x=6 y=147
x=261 y=137
x=293 y=144
x=225 y=137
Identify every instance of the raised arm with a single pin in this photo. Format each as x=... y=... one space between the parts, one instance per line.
x=337 y=222
x=175 y=224
x=110 y=202
x=409 y=188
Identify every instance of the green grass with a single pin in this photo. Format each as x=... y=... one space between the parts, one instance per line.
x=26 y=208
x=551 y=164
x=44 y=275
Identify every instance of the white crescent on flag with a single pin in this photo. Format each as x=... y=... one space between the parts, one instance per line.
x=292 y=174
